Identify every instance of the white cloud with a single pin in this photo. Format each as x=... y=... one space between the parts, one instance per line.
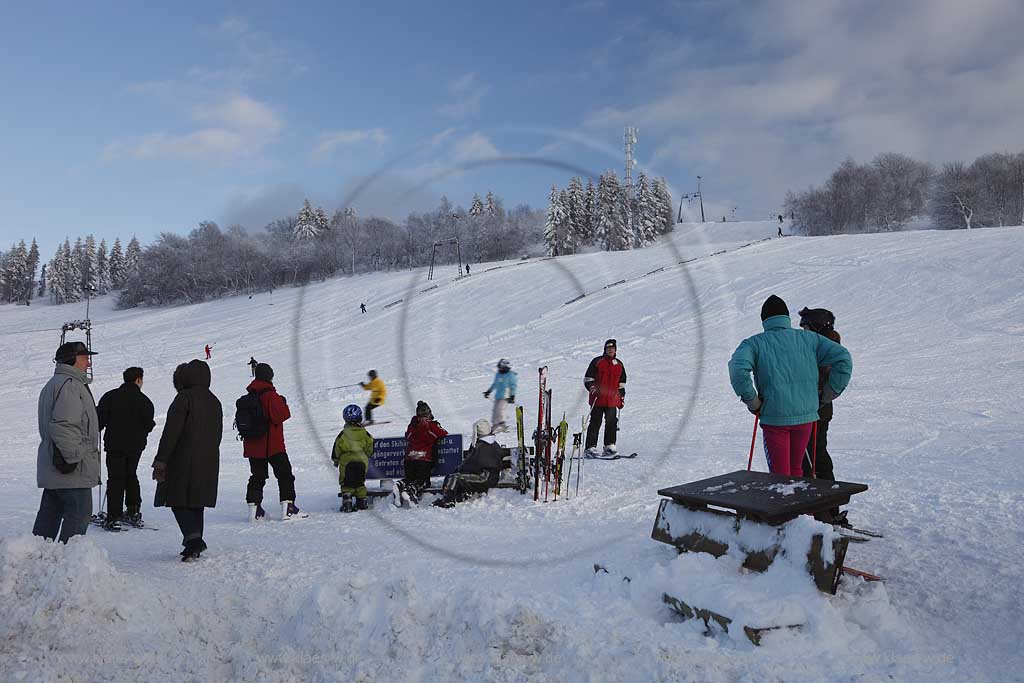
x=241 y=113
x=473 y=147
x=240 y=127
x=937 y=79
x=465 y=95
x=330 y=142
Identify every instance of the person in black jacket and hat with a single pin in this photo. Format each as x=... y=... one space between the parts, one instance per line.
x=480 y=469
x=187 y=463
x=126 y=418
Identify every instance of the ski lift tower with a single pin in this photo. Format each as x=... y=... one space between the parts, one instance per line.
x=689 y=198
x=629 y=140
x=84 y=325
x=433 y=254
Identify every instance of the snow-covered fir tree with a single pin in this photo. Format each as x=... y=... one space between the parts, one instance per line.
x=491 y=208
x=33 y=264
x=90 y=277
x=555 y=221
x=612 y=232
x=13 y=273
x=574 y=214
x=42 y=282
x=115 y=265
x=132 y=258
x=307 y=223
x=476 y=208
x=72 y=281
x=647 y=217
x=589 y=217
x=322 y=224
x=663 y=202
x=102 y=268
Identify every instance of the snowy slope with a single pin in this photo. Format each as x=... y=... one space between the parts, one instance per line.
x=503 y=589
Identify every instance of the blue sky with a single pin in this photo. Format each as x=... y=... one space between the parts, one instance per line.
x=130 y=118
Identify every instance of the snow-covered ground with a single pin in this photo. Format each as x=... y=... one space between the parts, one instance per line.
x=503 y=588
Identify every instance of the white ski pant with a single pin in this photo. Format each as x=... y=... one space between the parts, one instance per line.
x=498 y=414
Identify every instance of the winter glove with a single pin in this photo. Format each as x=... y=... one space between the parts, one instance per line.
x=159 y=472
x=487 y=394
x=362 y=384
x=511 y=399
x=754 y=405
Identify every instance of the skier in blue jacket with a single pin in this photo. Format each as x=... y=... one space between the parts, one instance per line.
x=504 y=389
x=785 y=362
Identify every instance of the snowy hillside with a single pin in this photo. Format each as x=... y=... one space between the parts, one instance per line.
x=503 y=588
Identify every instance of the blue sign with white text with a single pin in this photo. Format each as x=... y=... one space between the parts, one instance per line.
x=389 y=455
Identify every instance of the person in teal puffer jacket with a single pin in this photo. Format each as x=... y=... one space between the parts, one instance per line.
x=785 y=364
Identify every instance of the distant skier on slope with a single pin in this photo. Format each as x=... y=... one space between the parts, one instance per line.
x=480 y=469
x=378 y=392
x=362 y=308
x=351 y=455
x=504 y=389
x=422 y=436
x=208 y=350
x=785 y=365
x=605 y=380
x=252 y=365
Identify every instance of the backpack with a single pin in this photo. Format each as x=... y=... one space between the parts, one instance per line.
x=250 y=419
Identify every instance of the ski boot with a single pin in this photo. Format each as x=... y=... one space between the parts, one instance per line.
x=346 y=503
x=112 y=524
x=256 y=512
x=400 y=496
x=135 y=518
x=289 y=509
x=361 y=504
x=591 y=453
x=610 y=451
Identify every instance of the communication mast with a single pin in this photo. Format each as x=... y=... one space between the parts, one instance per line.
x=630 y=139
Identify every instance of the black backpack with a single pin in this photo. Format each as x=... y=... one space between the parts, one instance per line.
x=250 y=420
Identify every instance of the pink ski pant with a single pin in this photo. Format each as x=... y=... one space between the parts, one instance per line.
x=784 y=448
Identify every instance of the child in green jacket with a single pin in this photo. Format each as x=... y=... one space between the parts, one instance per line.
x=352 y=451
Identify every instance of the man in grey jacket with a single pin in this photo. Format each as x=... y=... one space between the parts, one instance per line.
x=68 y=430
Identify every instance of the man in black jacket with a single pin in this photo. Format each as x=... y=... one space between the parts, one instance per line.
x=126 y=418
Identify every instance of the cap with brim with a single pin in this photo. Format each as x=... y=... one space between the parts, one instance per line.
x=72 y=349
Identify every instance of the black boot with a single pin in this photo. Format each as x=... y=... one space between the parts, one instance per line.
x=346 y=503
x=361 y=504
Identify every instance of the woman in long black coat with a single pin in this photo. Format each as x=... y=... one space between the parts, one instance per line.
x=187 y=462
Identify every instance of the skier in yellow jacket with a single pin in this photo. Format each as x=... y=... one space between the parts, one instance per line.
x=378 y=392
x=352 y=450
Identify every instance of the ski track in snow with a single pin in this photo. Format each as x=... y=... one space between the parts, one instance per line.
x=934 y=321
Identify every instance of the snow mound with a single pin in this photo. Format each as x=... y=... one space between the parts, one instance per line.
x=54 y=592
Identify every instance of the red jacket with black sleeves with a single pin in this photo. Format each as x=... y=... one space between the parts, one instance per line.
x=421 y=435
x=276 y=410
x=608 y=376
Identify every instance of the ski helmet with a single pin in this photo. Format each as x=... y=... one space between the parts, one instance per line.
x=372 y=374
x=352 y=413
x=481 y=428
x=817 y=319
x=504 y=365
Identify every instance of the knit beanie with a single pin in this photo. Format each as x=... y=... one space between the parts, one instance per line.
x=264 y=372
x=773 y=305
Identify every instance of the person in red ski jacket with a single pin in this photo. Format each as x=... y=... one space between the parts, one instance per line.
x=269 y=449
x=421 y=436
x=605 y=380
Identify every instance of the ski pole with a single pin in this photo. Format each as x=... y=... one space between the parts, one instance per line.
x=814 y=452
x=753 y=438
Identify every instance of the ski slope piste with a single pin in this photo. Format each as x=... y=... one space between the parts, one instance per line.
x=502 y=588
